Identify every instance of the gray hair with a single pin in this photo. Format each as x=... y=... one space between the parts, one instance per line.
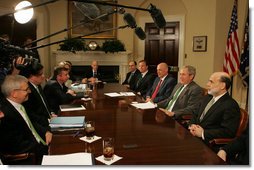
x=191 y=70
x=12 y=82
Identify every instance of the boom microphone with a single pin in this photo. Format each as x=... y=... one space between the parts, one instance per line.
x=140 y=33
x=121 y=10
x=157 y=16
x=130 y=20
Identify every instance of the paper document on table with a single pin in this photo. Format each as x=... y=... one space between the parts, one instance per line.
x=68 y=159
x=71 y=107
x=127 y=94
x=147 y=105
x=114 y=94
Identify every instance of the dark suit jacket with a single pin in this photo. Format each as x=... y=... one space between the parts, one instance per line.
x=35 y=108
x=89 y=74
x=221 y=120
x=188 y=100
x=145 y=84
x=56 y=95
x=238 y=150
x=132 y=80
x=165 y=89
x=16 y=137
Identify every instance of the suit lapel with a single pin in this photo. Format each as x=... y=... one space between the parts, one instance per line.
x=156 y=83
x=215 y=106
x=15 y=114
x=163 y=84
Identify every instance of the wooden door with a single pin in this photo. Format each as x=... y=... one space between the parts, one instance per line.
x=162 y=45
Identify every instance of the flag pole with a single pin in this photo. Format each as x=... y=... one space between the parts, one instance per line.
x=247 y=100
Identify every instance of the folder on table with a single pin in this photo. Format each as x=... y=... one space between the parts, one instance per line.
x=67 y=122
x=71 y=107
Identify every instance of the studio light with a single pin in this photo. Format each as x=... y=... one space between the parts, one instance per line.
x=23 y=16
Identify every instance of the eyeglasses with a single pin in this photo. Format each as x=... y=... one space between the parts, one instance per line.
x=27 y=89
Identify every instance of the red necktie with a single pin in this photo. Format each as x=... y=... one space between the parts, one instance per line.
x=156 y=90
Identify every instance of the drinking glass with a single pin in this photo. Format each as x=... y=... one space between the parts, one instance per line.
x=90 y=129
x=108 y=148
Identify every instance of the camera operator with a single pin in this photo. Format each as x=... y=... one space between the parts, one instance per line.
x=11 y=68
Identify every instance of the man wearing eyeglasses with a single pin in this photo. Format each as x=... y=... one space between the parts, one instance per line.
x=18 y=134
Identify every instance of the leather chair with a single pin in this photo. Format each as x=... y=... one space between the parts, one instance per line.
x=242 y=126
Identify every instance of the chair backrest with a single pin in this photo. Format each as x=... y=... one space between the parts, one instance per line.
x=243 y=122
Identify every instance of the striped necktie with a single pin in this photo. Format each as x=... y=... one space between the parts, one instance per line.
x=36 y=135
x=156 y=90
x=176 y=95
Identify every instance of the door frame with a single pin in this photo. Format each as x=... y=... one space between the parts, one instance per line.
x=169 y=18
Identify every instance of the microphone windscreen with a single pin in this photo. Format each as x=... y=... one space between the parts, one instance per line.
x=140 y=33
x=157 y=16
x=130 y=20
x=121 y=10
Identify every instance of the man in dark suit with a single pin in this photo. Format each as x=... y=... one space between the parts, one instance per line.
x=188 y=97
x=56 y=92
x=18 y=134
x=37 y=106
x=219 y=114
x=162 y=85
x=94 y=73
x=145 y=79
x=132 y=75
x=237 y=151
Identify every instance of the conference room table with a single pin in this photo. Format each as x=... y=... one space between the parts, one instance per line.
x=142 y=137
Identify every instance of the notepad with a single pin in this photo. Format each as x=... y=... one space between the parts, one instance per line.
x=71 y=107
x=67 y=122
x=147 y=105
x=114 y=94
x=68 y=159
x=127 y=94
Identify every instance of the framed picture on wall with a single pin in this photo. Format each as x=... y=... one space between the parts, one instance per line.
x=89 y=18
x=199 y=43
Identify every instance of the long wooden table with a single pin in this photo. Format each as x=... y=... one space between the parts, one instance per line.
x=158 y=139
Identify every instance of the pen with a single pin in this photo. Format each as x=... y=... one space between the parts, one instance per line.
x=76 y=134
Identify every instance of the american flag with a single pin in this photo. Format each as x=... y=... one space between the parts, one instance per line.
x=231 y=58
x=244 y=65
